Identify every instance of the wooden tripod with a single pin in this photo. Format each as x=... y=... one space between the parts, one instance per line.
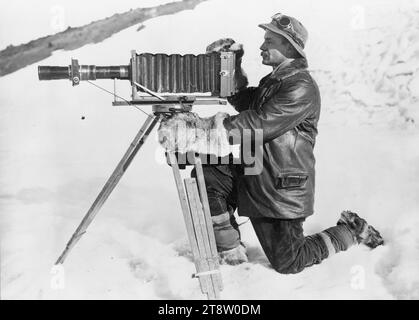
x=193 y=199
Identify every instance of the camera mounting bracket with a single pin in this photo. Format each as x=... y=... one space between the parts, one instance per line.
x=75 y=72
x=157 y=99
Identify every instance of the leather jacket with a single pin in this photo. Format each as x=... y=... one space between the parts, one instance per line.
x=286 y=106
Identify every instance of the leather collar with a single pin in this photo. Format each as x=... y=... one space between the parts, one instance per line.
x=289 y=69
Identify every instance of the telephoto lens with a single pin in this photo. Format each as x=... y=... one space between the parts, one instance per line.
x=53 y=72
x=76 y=72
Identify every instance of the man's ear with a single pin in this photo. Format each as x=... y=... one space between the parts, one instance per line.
x=287 y=49
x=291 y=52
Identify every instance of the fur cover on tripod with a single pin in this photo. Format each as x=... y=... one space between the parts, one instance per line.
x=187 y=132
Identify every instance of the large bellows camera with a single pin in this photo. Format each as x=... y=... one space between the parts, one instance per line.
x=161 y=73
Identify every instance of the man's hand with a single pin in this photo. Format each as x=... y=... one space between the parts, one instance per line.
x=187 y=132
x=229 y=45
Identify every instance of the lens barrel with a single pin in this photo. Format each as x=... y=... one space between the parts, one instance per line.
x=53 y=73
x=86 y=72
x=110 y=72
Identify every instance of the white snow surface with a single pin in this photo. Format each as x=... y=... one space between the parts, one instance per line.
x=365 y=57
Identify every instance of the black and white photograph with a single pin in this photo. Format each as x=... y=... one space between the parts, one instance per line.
x=209 y=150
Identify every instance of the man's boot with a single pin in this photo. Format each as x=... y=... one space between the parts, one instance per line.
x=363 y=232
x=234 y=256
x=227 y=236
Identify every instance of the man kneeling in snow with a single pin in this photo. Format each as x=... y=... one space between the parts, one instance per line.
x=286 y=107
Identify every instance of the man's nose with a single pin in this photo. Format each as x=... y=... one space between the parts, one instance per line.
x=262 y=47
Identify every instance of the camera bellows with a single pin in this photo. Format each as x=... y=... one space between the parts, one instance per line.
x=180 y=73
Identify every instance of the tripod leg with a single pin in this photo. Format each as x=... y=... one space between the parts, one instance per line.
x=190 y=230
x=200 y=233
x=208 y=221
x=205 y=268
x=113 y=180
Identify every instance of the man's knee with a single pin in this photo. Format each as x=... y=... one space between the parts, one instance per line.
x=288 y=263
x=292 y=268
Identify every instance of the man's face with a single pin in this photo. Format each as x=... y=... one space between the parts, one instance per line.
x=272 y=47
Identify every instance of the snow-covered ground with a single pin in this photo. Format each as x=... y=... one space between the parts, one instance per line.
x=365 y=56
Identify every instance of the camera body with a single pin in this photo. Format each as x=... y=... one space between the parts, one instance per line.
x=161 y=73
x=175 y=73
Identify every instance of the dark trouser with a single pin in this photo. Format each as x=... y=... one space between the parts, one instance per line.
x=220 y=181
x=283 y=241
x=289 y=251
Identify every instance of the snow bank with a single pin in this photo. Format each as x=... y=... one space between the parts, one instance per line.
x=375 y=69
x=53 y=163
